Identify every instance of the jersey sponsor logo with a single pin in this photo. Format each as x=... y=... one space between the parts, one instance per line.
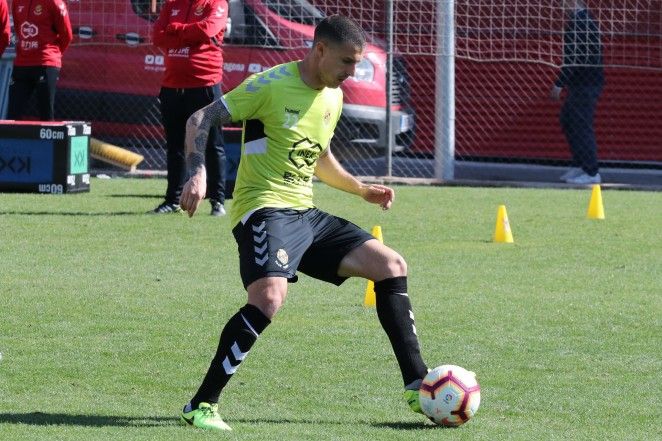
x=179 y=53
x=29 y=30
x=295 y=178
x=304 y=153
x=29 y=45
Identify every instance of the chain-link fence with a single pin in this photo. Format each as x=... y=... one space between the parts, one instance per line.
x=508 y=55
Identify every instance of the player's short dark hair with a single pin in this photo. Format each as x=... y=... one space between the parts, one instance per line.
x=339 y=29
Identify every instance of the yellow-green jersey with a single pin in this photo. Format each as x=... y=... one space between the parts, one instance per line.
x=287 y=126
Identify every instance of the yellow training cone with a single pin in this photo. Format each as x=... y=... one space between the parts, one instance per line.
x=502 y=231
x=595 y=208
x=370 y=299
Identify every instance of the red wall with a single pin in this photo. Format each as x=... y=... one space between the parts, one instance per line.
x=503 y=107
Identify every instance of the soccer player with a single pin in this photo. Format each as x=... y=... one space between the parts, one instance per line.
x=290 y=112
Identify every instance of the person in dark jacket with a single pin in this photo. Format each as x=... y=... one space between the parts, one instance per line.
x=43 y=33
x=582 y=75
x=191 y=33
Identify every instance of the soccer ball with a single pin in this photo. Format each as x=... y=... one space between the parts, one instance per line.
x=449 y=395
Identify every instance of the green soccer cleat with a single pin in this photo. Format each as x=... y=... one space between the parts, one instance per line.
x=204 y=417
x=412 y=399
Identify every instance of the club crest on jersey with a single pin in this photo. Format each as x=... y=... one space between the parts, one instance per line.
x=327 y=117
x=198 y=11
x=38 y=10
x=282 y=258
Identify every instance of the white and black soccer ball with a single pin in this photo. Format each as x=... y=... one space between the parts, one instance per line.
x=450 y=395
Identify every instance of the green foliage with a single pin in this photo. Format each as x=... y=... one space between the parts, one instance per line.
x=109 y=318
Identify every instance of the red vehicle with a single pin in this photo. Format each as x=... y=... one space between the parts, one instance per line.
x=111 y=73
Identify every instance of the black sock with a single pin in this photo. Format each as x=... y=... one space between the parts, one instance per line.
x=237 y=338
x=396 y=316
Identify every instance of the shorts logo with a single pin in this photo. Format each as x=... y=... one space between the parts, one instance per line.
x=282 y=258
x=260 y=243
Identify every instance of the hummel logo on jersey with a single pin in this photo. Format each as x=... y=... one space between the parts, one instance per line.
x=174 y=12
x=220 y=11
x=265 y=79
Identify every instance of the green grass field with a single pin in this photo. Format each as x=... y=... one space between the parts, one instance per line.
x=109 y=318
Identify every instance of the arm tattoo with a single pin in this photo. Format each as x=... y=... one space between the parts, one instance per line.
x=197 y=133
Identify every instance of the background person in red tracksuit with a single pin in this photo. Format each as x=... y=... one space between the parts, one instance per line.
x=43 y=33
x=191 y=33
x=5 y=30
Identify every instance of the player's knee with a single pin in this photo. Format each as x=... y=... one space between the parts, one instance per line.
x=396 y=266
x=267 y=298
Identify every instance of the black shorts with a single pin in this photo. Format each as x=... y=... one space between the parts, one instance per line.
x=278 y=242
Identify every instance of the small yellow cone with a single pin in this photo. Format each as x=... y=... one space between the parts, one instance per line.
x=370 y=298
x=595 y=208
x=502 y=231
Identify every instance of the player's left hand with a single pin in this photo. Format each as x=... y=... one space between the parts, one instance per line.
x=379 y=194
x=194 y=192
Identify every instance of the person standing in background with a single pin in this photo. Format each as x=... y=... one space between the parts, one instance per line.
x=4 y=26
x=43 y=33
x=582 y=75
x=191 y=33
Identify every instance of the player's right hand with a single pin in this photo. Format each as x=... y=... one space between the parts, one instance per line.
x=194 y=192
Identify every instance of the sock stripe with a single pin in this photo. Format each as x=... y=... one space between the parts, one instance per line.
x=236 y=352
x=250 y=327
x=228 y=367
